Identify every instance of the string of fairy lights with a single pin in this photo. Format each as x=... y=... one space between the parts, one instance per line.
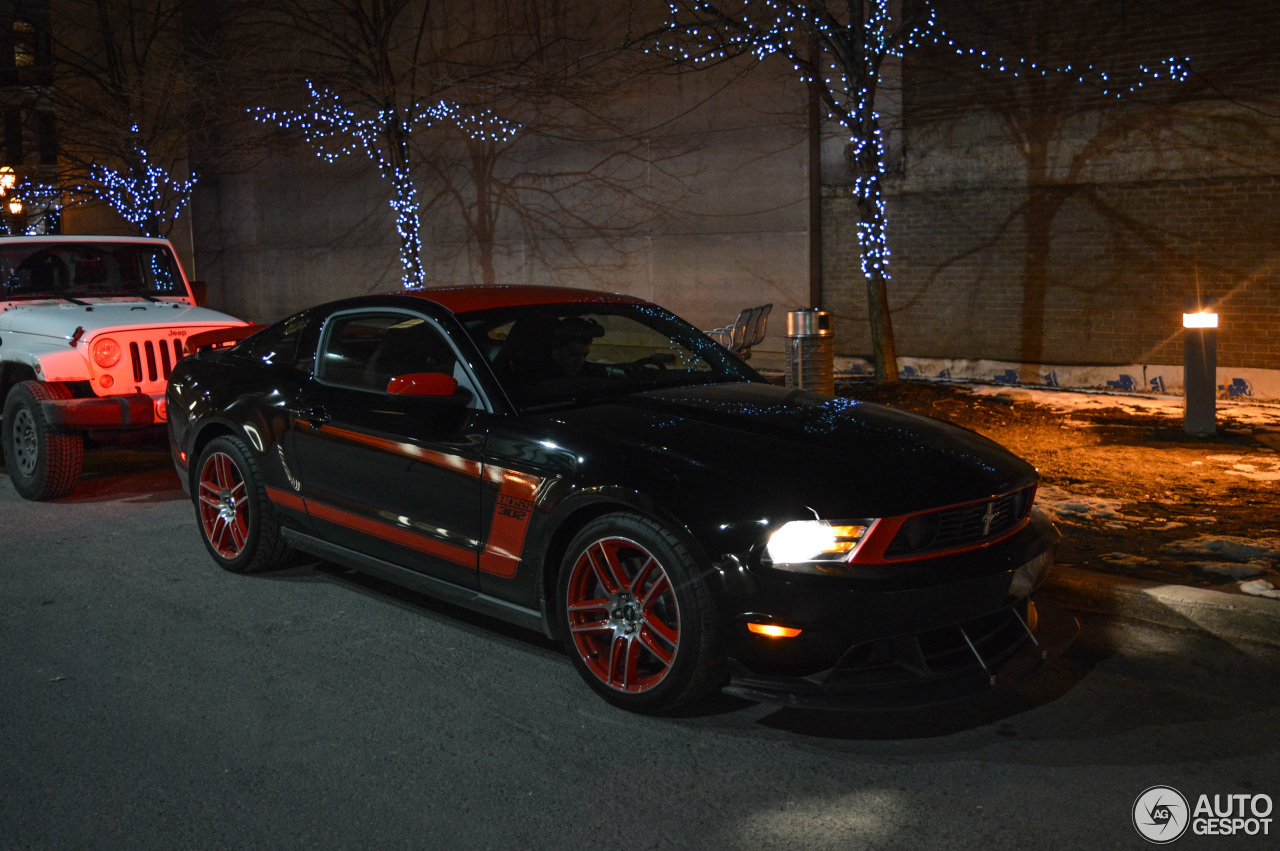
x=140 y=194
x=850 y=53
x=335 y=131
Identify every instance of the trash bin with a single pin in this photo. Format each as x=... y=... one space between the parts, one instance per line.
x=811 y=350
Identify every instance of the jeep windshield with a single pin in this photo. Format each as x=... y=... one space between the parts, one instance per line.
x=76 y=270
x=550 y=356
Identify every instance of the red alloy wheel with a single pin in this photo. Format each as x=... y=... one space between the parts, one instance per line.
x=223 y=508
x=623 y=615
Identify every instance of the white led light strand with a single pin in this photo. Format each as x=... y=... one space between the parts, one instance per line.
x=139 y=194
x=848 y=68
x=334 y=131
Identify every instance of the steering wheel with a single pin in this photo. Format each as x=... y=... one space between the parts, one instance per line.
x=651 y=363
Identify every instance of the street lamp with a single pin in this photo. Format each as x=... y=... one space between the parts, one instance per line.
x=1200 y=368
x=8 y=179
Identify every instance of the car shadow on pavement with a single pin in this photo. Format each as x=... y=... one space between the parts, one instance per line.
x=1115 y=683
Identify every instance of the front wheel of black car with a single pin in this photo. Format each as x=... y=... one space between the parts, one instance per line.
x=638 y=622
x=43 y=463
x=237 y=523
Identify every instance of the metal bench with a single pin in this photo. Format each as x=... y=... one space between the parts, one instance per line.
x=747 y=331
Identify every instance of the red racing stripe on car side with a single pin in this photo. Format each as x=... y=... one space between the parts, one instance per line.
x=394 y=534
x=288 y=500
x=398 y=447
x=511 y=515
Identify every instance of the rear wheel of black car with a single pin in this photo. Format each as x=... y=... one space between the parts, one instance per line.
x=43 y=463
x=638 y=622
x=237 y=523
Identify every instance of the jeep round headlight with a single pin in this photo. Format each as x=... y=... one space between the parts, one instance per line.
x=816 y=546
x=106 y=352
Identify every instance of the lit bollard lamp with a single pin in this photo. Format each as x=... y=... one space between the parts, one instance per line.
x=1200 y=368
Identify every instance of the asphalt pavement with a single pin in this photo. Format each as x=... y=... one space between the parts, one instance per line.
x=151 y=700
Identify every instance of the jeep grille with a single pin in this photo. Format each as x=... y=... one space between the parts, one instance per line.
x=153 y=361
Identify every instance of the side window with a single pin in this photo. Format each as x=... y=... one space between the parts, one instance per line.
x=366 y=350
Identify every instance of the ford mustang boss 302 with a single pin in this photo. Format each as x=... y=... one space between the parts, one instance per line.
x=592 y=466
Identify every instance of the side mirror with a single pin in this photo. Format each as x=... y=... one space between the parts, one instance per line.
x=423 y=384
x=200 y=289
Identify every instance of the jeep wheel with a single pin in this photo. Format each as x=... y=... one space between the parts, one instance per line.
x=43 y=462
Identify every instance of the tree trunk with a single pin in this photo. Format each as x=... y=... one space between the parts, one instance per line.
x=873 y=245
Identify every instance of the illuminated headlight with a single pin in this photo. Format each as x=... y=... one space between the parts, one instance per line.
x=816 y=546
x=106 y=352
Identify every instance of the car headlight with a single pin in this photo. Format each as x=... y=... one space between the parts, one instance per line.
x=816 y=546
x=106 y=352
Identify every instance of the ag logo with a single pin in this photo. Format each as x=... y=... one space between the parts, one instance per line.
x=1160 y=814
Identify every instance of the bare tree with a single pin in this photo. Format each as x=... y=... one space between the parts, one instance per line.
x=465 y=105
x=133 y=82
x=1160 y=114
x=841 y=45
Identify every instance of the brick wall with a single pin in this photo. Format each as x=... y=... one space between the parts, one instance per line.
x=1087 y=254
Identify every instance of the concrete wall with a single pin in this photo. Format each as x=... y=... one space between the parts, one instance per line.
x=720 y=224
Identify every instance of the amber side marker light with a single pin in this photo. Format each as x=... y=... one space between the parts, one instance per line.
x=772 y=630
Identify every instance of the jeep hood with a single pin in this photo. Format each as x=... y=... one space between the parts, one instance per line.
x=60 y=320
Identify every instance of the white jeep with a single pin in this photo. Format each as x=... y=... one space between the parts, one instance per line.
x=90 y=328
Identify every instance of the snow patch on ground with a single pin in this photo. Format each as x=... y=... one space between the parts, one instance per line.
x=1264 y=416
x=1071 y=507
x=1260 y=588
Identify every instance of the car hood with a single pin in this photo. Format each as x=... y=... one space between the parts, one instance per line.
x=840 y=457
x=60 y=319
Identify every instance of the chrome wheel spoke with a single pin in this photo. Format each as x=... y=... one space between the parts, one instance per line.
x=660 y=629
x=655 y=593
x=662 y=654
x=237 y=534
x=643 y=575
x=604 y=575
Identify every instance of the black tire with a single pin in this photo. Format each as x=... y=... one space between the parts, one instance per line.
x=43 y=462
x=237 y=523
x=637 y=620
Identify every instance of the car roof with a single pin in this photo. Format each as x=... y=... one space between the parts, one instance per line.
x=470 y=298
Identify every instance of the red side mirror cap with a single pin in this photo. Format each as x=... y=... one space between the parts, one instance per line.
x=423 y=384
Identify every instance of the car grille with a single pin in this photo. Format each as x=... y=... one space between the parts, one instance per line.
x=154 y=360
x=961 y=526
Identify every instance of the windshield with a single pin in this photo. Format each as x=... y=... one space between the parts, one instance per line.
x=93 y=270
x=555 y=355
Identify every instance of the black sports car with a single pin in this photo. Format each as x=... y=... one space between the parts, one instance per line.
x=592 y=466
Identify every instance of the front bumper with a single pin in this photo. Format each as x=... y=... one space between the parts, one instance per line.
x=935 y=666
x=136 y=410
x=935 y=627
